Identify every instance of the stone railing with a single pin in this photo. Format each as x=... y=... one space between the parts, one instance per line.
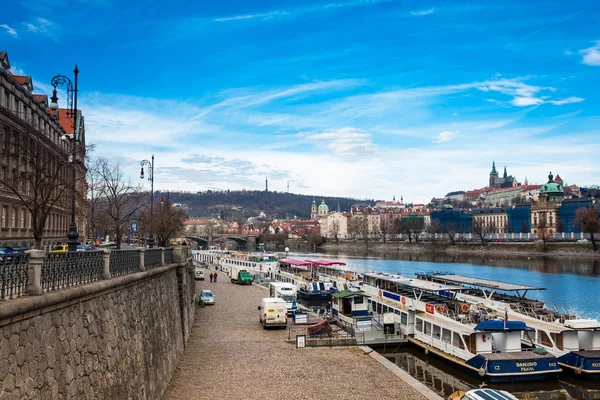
x=38 y=272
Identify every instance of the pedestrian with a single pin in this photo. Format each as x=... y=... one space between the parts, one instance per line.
x=211 y=277
x=215 y=277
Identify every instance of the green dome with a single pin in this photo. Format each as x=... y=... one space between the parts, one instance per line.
x=323 y=206
x=552 y=188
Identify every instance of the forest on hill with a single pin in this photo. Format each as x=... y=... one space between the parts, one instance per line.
x=276 y=205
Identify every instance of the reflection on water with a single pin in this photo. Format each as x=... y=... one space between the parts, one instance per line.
x=568 y=281
x=445 y=379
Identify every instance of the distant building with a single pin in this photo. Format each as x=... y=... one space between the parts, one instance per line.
x=495 y=219
x=544 y=213
x=505 y=181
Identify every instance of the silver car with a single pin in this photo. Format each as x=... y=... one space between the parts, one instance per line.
x=207 y=297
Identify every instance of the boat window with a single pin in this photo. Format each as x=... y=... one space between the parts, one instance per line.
x=419 y=325
x=359 y=300
x=456 y=342
x=385 y=309
x=397 y=312
x=404 y=318
x=542 y=337
x=436 y=331
x=379 y=308
x=427 y=328
x=446 y=335
x=558 y=339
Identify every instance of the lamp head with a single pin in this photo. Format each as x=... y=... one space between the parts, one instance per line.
x=142 y=173
x=54 y=101
x=66 y=138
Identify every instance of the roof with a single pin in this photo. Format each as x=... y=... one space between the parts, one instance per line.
x=347 y=293
x=297 y=263
x=326 y=263
x=489 y=394
x=42 y=98
x=500 y=325
x=413 y=283
x=486 y=283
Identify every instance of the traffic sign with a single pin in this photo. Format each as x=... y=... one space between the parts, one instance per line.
x=133 y=227
x=98 y=235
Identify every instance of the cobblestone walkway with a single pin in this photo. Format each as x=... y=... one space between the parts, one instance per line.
x=230 y=356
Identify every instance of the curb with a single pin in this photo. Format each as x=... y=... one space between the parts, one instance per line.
x=412 y=382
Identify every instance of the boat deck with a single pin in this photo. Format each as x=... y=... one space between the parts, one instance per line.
x=515 y=355
x=588 y=353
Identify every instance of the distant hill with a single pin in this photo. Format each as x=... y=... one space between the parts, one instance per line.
x=229 y=204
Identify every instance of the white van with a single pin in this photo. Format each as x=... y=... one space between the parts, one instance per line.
x=198 y=273
x=285 y=291
x=273 y=312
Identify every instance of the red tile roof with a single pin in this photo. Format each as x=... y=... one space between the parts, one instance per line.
x=22 y=80
x=42 y=98
x=65 y=121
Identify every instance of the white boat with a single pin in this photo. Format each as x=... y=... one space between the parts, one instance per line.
x=559 y=330
x=256 y=263
x=432 y=318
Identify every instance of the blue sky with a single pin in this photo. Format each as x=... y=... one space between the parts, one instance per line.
x=359 y=98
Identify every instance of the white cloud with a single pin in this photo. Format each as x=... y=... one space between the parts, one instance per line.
x=264 y=16
x=9 y=30
x=526 y=101
x=446 y=136
x=568 y=100
x=343 y=141
x=426 y=11
x=591 y=55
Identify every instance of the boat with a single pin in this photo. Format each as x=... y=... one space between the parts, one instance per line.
x=574 y=339
x=256 y=263
x=482 y=394
x=429 y=314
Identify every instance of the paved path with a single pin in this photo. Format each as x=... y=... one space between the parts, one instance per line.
x=230 y=356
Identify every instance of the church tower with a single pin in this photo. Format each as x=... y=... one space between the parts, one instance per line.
x=493 y=174
x=266 y=184
x=313 y=210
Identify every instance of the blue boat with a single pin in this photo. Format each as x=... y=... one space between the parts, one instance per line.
x=321 y=291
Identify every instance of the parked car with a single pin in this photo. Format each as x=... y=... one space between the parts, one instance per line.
x=59 y=248
x=198 y=274
x=207 y=297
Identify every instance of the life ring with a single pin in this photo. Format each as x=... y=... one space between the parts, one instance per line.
x=484 y=338
x=465 y=308
x=403 y=300
x=439 y=309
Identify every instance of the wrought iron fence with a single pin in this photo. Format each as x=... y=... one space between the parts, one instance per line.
x=152 y=258
x=124 y=262
x=14 y=275
x=168 y=256
x=62 y=270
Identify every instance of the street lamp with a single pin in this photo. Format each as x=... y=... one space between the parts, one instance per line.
x=287 y=249
x=150 y=165
x=61 y=80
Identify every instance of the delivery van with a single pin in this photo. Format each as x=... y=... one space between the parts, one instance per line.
x=285 y=291
x=272 y=313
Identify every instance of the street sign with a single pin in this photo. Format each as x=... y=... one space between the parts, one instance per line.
x=98 y=235
x=133 y=227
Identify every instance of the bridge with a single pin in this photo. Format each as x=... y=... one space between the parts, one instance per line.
x=244 y=241
x=101 y=324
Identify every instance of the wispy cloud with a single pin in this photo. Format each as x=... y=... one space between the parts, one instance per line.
x=343 y=142
x=568 y=100
x=263 y=16
x=446 y=136
x=591 y=55
x=426 y=11
x=40 y=25
x=9 y=30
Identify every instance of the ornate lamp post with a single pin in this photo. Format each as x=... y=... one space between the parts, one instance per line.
x=150 y=165
x=61 y=80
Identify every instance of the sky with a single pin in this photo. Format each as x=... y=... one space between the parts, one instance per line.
x=360 y=98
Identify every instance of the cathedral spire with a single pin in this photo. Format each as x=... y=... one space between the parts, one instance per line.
x=505 y=174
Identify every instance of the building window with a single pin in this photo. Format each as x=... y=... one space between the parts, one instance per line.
x=6 y=99
x=13 y=218
x=29 y=222
x=4 y=216
x=22 y=218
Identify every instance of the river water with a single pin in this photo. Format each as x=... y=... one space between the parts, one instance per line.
x=572 y=282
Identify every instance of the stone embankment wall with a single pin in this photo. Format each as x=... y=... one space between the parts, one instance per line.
x=120 y=338
x=583 y=250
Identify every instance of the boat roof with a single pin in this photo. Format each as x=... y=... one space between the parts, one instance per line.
x=414 y=283
x=348 y=293
x=487 y=283
x=488 y=394
x=297 y=263
x=495 y=325
x=327 y=263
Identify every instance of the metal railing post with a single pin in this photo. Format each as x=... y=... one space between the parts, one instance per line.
x=162 y=256
x=142 y=267
x=36 y=260
x=106 y=259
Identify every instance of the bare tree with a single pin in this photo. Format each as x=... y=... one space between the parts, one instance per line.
x=386 y=227
x=542 y=230
x=588 y=221
x=240 y=220
x=95 y=182
x=450 y=231
x=335 y=230
x=122 y=200
x=433 y=229
x=315 y=239
x=40 y=179
x=482 y=230
x=167 y=222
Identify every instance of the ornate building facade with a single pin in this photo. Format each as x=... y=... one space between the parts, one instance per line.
x=36 y=165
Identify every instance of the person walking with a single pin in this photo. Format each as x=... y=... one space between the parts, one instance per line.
x=211 y=277
x=215 y=277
